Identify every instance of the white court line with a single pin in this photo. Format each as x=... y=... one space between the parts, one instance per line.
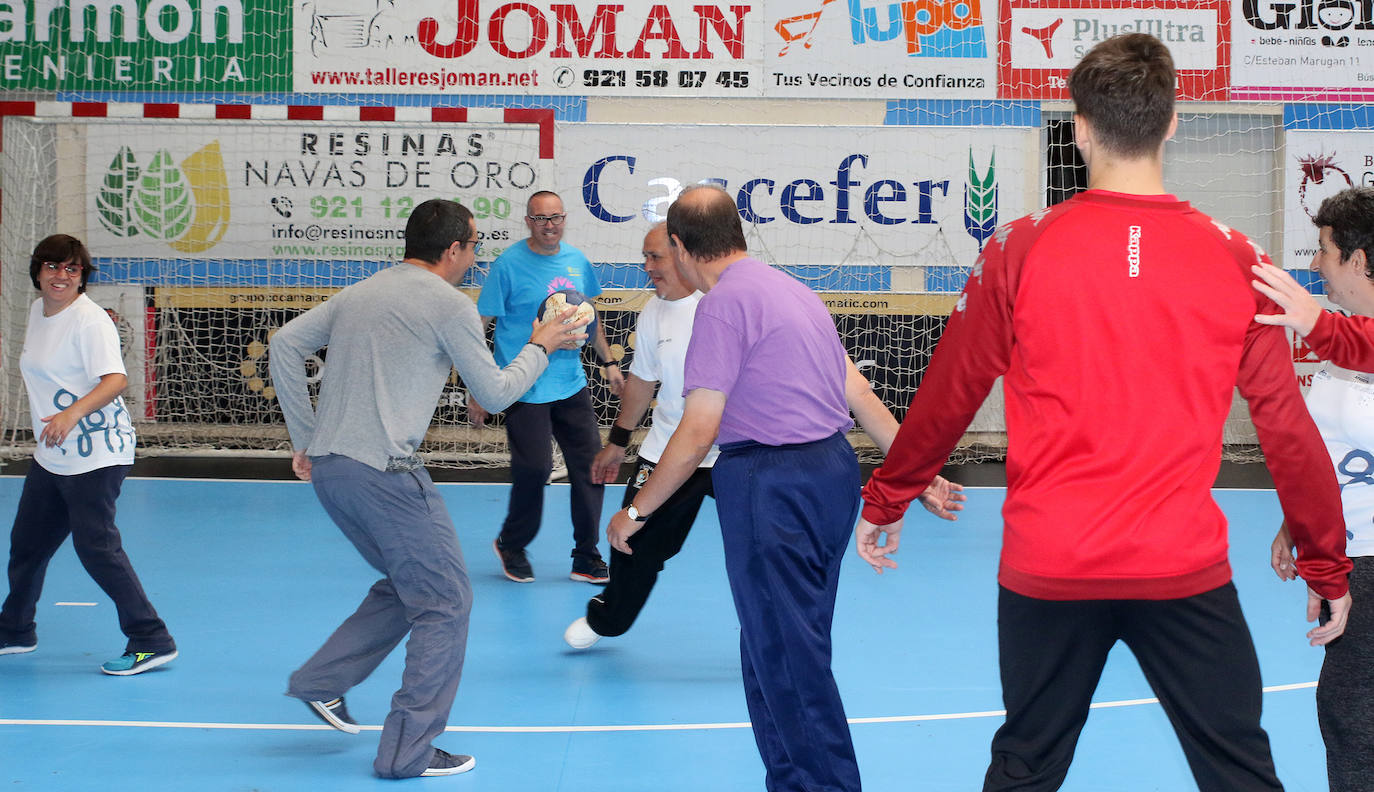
x=646 y=727
x=78 y=604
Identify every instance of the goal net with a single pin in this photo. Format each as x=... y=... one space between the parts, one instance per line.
x=210 y=234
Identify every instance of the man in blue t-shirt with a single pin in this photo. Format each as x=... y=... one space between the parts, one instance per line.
x=559 y=405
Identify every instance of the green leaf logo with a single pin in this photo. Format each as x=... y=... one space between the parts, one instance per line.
x=112 y=202
x=162 y=201
x=980 y=201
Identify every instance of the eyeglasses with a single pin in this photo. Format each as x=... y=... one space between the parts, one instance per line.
x=70 y=268
x=554 y=219
x=476 y=246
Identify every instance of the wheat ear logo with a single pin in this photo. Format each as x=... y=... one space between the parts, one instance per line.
x=184 y=204
x=980 y=201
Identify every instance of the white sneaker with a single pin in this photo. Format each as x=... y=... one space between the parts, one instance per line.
x=580 y=634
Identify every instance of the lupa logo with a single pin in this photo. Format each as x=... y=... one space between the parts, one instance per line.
x=980 y=201
x=184 y=204
x=929 y=28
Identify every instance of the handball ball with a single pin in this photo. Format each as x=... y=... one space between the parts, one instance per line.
x=561 y=300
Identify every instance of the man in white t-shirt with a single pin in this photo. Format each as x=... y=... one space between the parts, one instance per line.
x=662 y=332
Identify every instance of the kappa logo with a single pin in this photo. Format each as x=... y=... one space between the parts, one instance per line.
x=929 y=28
x=1133 y=252
x=184 y=204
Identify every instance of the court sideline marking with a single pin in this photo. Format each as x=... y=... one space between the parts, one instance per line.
x=650 y=727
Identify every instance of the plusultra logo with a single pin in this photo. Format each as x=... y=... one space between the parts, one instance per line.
x=184 y=204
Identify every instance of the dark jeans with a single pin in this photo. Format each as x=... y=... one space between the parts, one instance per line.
x=633 y=576
x=83 y=505
x=529 y=427
x=787 y=514
x=1345 y=692
x=1196 y=653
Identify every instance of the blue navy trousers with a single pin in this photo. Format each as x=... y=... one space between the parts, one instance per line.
x=787 y=514
x=529 y=427
x=400 y=526
x=83 y=505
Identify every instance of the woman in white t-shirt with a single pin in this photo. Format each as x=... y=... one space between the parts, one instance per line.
x=74 y=375
x=1341 y=401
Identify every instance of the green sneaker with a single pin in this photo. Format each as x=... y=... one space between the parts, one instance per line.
x=137 y=662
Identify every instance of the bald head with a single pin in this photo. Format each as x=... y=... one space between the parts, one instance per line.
x=705 y=222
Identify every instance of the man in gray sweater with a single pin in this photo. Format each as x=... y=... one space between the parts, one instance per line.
x=392 y=339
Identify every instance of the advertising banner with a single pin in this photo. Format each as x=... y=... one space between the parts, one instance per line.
x=145 y=45
x=127 y=307
x=823 y=197
x=1042 y=40
x=1302 y=51
x=778 y=48
x=1318 y=164
x=214 y=191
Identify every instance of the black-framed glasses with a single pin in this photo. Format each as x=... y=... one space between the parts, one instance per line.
x=476 y=245
x=553 y=219
x=70 y=267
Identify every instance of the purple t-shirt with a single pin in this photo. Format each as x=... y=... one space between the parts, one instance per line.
x=768 y=343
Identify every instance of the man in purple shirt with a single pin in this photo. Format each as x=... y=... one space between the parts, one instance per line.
x=767 y=374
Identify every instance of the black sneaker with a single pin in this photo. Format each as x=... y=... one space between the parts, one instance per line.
x=514 y=563
x=17 y=647
x=335 y=713
x=590 y=570
x=445 y=763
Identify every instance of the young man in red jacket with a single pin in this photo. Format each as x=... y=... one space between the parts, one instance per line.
x=1118 y=380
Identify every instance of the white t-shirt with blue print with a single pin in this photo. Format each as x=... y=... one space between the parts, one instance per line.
x=1342 y=404
x=64 y=357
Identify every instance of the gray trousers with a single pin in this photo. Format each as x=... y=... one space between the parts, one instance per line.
x=399 y=524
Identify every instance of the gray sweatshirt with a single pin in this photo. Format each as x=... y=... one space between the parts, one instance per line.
x=392 y=339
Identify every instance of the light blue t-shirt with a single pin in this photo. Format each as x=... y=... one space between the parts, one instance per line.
x=517 y=285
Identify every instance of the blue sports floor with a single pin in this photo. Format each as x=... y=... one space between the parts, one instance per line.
x=251 y=577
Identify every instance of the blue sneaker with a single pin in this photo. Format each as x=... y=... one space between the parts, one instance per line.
x=17 y=647
x=137 y=662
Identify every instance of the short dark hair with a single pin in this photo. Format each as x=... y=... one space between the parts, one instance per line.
x=59 y=248
x=1125 y=88
x=1350 y=214
x=540 y=194
x=434 y=226
x=705 y=219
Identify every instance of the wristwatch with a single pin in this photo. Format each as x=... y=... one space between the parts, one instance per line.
x=633 y=514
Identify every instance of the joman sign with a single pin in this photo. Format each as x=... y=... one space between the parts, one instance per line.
x=157 y=45
x=839 y=48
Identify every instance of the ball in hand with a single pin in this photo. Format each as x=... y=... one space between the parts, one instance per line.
x=560 y=301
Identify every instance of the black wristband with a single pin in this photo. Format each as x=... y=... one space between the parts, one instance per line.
x=618 y=435
x=540 y=346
